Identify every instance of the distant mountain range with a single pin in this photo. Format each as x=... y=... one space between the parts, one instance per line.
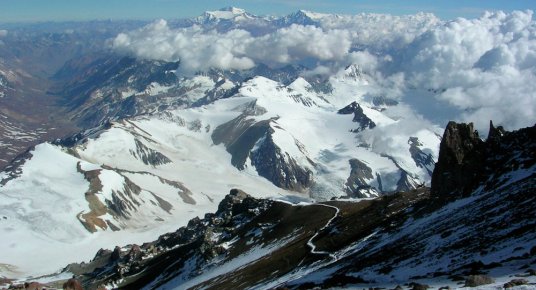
x=335 y=179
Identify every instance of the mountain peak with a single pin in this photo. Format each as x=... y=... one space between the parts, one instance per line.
x=354 y=71
x=226 y=13
x=310 y=14
x=300 y=17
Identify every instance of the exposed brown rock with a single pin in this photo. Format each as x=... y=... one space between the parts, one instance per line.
x=478 y=280
x=515 y=282
x=72 y=284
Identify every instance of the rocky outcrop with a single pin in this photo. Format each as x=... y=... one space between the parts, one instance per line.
x=279 y=167
x=246 y=139
x=72 y=284
x=478 y=280
x=149 y=156
x=200 y=241
x=358 y=181
x=123 y=201
x=465 y=161
x=460 y=161
x=239 y=136
x=495 y=133
x=406 y=182
x=360 y=118
x=421 y=158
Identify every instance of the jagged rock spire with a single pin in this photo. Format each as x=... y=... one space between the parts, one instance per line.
x=459 y=161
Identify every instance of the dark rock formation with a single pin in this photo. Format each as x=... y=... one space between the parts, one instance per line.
x=279 y=167
x=245 y=139
x=360 y=118
x=149 y=156
x=14 y=169
x=515 y=282
x=201 y=240
x=406 y=182
x=418 y=286
x=422 y=159
x=460 y=161
x=495 y=134
x=239 y=136
x=359 y=178
x=465 y=161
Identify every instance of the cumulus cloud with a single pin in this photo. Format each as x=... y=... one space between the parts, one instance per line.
x=381 y=32
x=485 y=68
x=334 y=39
x=198 y=49
x=297 y=42
x=194 y=47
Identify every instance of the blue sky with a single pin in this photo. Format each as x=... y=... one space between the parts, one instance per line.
x=47 y=10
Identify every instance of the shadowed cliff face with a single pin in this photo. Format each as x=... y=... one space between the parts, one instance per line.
x=360 y=118
x=466 y=162
x=459 y=162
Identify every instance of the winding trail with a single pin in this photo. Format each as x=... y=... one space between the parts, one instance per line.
x=310 y=243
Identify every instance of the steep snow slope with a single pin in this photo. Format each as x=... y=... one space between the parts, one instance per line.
x=118 y=187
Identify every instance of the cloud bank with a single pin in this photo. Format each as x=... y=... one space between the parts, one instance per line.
x=236 y=49
x=485 y=67
x=331 y=40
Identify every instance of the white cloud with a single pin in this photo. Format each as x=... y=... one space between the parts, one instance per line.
x=3 y=32
x=295 y=43
x=198 y=49
x=485 y=68
x=381 y=31
x=332 y=41
x=486 y=65
x=195 y=48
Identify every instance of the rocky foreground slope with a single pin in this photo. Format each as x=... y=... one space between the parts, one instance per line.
x=476 y=223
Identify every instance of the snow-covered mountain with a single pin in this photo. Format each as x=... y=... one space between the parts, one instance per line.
x=187 y=142
x=231 y=14
x=481 y=235
x=305 y=108
x=300 y=17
